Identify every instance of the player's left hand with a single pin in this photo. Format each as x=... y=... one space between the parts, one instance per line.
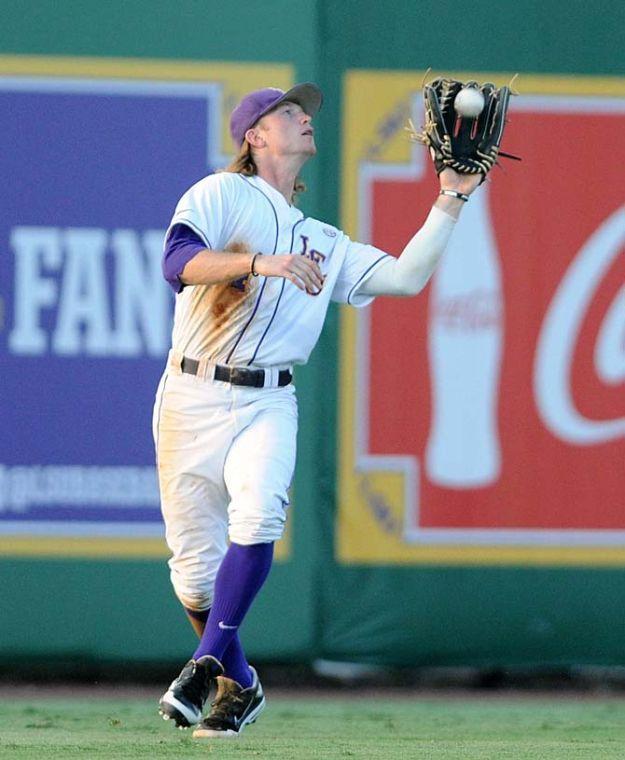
x=462 y=183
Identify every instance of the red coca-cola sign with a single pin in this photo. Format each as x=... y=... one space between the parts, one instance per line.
x=504 y=381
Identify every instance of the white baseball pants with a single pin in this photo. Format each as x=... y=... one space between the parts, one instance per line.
x=225 y=457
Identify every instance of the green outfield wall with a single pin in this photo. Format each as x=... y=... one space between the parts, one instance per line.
x=346 y=585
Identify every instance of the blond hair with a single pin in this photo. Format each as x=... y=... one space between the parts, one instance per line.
x=244 y=163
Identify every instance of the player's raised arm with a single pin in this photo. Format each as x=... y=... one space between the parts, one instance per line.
x=463 y=131
x=408 y=274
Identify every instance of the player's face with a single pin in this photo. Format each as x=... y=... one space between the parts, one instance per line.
x=287 y=130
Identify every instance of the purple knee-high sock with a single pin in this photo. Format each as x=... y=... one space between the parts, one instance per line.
x=234 y=661
x=240 y=577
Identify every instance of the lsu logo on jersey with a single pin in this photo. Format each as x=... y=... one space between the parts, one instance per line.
x=311 y=253
x=314 y=255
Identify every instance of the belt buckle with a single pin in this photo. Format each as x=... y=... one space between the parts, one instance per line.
x=242 y=376
x=235 y=376
x=254 y=378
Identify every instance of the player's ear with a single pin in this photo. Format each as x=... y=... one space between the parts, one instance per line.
x=254 y=137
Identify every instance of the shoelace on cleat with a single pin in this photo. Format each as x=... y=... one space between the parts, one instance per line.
x=196 y=684
x=224 y=708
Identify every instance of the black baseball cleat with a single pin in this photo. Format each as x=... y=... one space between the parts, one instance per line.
x=184 y=701
x=232 y=709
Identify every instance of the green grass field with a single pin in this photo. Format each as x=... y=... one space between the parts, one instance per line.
x=298 y=728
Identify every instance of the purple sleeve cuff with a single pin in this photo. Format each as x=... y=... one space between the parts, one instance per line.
x=181 y=246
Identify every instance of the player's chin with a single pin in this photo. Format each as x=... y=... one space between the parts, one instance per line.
x=309 y=146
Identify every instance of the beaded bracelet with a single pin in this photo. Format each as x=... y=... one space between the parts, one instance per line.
x=252 y=272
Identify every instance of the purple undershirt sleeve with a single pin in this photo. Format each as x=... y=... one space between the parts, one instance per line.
x=181 y=246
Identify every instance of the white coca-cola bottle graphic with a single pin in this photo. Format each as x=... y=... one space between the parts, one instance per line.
x=465 y=343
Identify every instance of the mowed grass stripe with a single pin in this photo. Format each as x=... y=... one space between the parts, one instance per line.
x=298 y=729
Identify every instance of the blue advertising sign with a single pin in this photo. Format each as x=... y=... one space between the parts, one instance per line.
x=92 y=170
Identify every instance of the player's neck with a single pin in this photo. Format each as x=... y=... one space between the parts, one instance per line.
x=281 y=176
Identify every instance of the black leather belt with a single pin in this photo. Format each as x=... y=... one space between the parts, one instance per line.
x=255 y=378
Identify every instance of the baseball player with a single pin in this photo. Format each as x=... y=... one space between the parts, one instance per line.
x=254 y=278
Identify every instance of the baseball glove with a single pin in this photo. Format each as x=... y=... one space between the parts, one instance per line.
x=468 y=145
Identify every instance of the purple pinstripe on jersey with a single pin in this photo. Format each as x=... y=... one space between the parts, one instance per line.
x=279 y=298
x=262 y=287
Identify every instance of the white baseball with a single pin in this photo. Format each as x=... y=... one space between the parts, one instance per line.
x=469 y=102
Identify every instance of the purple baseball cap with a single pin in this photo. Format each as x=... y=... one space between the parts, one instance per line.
x=258 y=103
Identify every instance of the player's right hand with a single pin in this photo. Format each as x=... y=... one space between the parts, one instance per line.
x=303 y=272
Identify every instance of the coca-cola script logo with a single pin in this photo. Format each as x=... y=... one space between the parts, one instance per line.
x=561 y=332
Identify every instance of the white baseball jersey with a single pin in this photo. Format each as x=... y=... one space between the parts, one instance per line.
x=257 y=321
